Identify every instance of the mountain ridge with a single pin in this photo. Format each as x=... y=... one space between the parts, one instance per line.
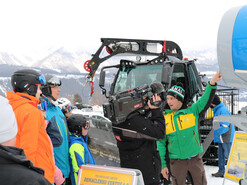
x=69 y=67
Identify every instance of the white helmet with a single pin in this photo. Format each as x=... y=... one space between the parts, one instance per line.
x=64 y=104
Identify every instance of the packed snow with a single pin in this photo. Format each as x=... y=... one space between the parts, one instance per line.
x=216 y=180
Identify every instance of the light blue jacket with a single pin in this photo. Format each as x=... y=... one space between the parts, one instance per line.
x=58 y=131
x=225 y=132
x=79 y=155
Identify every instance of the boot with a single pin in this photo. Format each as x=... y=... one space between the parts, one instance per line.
x=217 y=174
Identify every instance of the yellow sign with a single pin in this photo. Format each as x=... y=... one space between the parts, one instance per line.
x=235 y=168
x=92 y=175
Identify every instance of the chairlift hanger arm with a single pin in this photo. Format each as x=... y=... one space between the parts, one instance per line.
x=116 y=46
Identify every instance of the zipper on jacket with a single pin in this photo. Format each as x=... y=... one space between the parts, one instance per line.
x=172 y=123
x=180 y=122
x=59 y=129
x=195 y=137
x=169 y=144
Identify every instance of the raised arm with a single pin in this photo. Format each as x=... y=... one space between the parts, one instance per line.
x=205 y=101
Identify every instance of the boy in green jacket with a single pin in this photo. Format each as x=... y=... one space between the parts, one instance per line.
x=182 y=135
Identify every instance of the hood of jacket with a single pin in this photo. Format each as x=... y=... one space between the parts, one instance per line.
x=9 y=154
x=74 y=138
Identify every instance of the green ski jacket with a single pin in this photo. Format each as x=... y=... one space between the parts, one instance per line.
x=182 y=129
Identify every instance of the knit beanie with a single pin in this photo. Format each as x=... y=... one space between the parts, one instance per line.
x=177 y=91
x=216 y=100
x=8 y=125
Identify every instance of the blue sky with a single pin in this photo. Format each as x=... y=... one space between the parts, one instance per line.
x=33 y=27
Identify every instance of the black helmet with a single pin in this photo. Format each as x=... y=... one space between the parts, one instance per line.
x=26 y=80
x=51 y=80
x=76 y=122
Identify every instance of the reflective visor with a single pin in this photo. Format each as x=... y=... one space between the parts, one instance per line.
x=42 y=79
x=86 y=125
x=55 y=81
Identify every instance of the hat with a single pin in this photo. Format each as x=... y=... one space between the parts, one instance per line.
x=216 y=100
x=8 y=125
x=177 y=91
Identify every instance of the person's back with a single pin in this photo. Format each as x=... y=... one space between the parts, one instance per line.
x=223 y=135
x=136 y=141
x=226 y=132
x=15 y=168
x=79 y=151
x=57 y=128
x=31 y=136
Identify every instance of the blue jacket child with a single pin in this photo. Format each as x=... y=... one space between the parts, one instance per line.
x=78 y=149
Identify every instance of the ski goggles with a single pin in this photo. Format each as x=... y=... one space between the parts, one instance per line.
x=55 y=81
x=67 y=108
x=86 y=125
x=42 y=79
x=42 y=105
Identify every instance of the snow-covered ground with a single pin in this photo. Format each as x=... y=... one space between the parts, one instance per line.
x=216 y=180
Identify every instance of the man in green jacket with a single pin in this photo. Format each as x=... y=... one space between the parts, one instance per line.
x=182 y=135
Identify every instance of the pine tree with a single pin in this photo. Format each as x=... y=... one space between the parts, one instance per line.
x=77 y=99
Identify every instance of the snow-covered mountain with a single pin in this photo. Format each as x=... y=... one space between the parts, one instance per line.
x=71 y=83
x=60 y=60
x=68 y=65
x=63 y=61
x=9 y=59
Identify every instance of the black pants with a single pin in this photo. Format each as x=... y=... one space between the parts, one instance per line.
x=68 y=181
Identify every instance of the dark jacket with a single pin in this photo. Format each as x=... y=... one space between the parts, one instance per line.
x=15 y=168
x=136 y=141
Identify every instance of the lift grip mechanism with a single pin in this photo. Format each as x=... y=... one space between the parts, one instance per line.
x=115 y=46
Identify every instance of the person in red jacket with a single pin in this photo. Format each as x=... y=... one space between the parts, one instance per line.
x=31 y=135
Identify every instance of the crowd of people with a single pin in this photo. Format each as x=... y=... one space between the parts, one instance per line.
x=37 y=143
x=46 y=144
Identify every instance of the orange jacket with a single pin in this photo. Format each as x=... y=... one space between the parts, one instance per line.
x=32 y=136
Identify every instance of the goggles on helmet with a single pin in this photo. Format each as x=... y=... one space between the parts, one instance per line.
x=42 y=79
x=86 y=125
x=54 y=81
